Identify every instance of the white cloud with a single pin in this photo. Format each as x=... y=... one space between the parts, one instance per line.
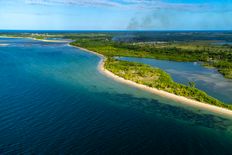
x=127 y=4
x=75 y=2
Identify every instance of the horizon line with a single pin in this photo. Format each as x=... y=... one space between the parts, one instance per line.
x=116 y=30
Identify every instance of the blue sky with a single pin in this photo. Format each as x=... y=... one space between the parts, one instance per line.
x=116 y=14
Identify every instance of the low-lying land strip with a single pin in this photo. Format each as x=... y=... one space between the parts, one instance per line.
x=142 y=73
x=184 y=100
x=219 y=57
x=4 y=44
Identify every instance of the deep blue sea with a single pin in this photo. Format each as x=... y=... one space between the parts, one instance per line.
x=53 y=100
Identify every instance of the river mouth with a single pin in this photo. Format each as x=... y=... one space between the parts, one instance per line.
x=54 y=100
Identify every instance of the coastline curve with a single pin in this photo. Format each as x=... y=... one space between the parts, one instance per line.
x=180 y=99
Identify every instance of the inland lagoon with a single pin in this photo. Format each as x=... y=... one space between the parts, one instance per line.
x=53 y=100
x=206 y=79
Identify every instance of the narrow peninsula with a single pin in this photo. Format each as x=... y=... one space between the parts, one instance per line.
x=146 y=77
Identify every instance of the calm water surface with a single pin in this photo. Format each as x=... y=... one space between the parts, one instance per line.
x=206 y=79
x=54 y=101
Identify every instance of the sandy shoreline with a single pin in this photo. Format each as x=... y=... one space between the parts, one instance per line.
x=10 y=37
x=4 y=44
x=52 y=41
x=44 y=40
x=181 y=99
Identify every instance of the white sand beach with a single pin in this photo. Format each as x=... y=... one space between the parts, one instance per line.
x=4 y=44
x=180 y=99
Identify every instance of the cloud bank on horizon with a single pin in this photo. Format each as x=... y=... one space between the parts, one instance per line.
x=116 y=14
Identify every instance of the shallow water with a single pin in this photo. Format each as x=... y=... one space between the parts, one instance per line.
x=54 y=101
x=206 y=79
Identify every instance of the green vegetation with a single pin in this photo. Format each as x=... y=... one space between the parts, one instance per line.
x=219 y=57
x=156 y=78
x=192 y=84
x=39 y=37
x=145 y=74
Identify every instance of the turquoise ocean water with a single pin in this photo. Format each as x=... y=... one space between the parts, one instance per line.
x=53 y=100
